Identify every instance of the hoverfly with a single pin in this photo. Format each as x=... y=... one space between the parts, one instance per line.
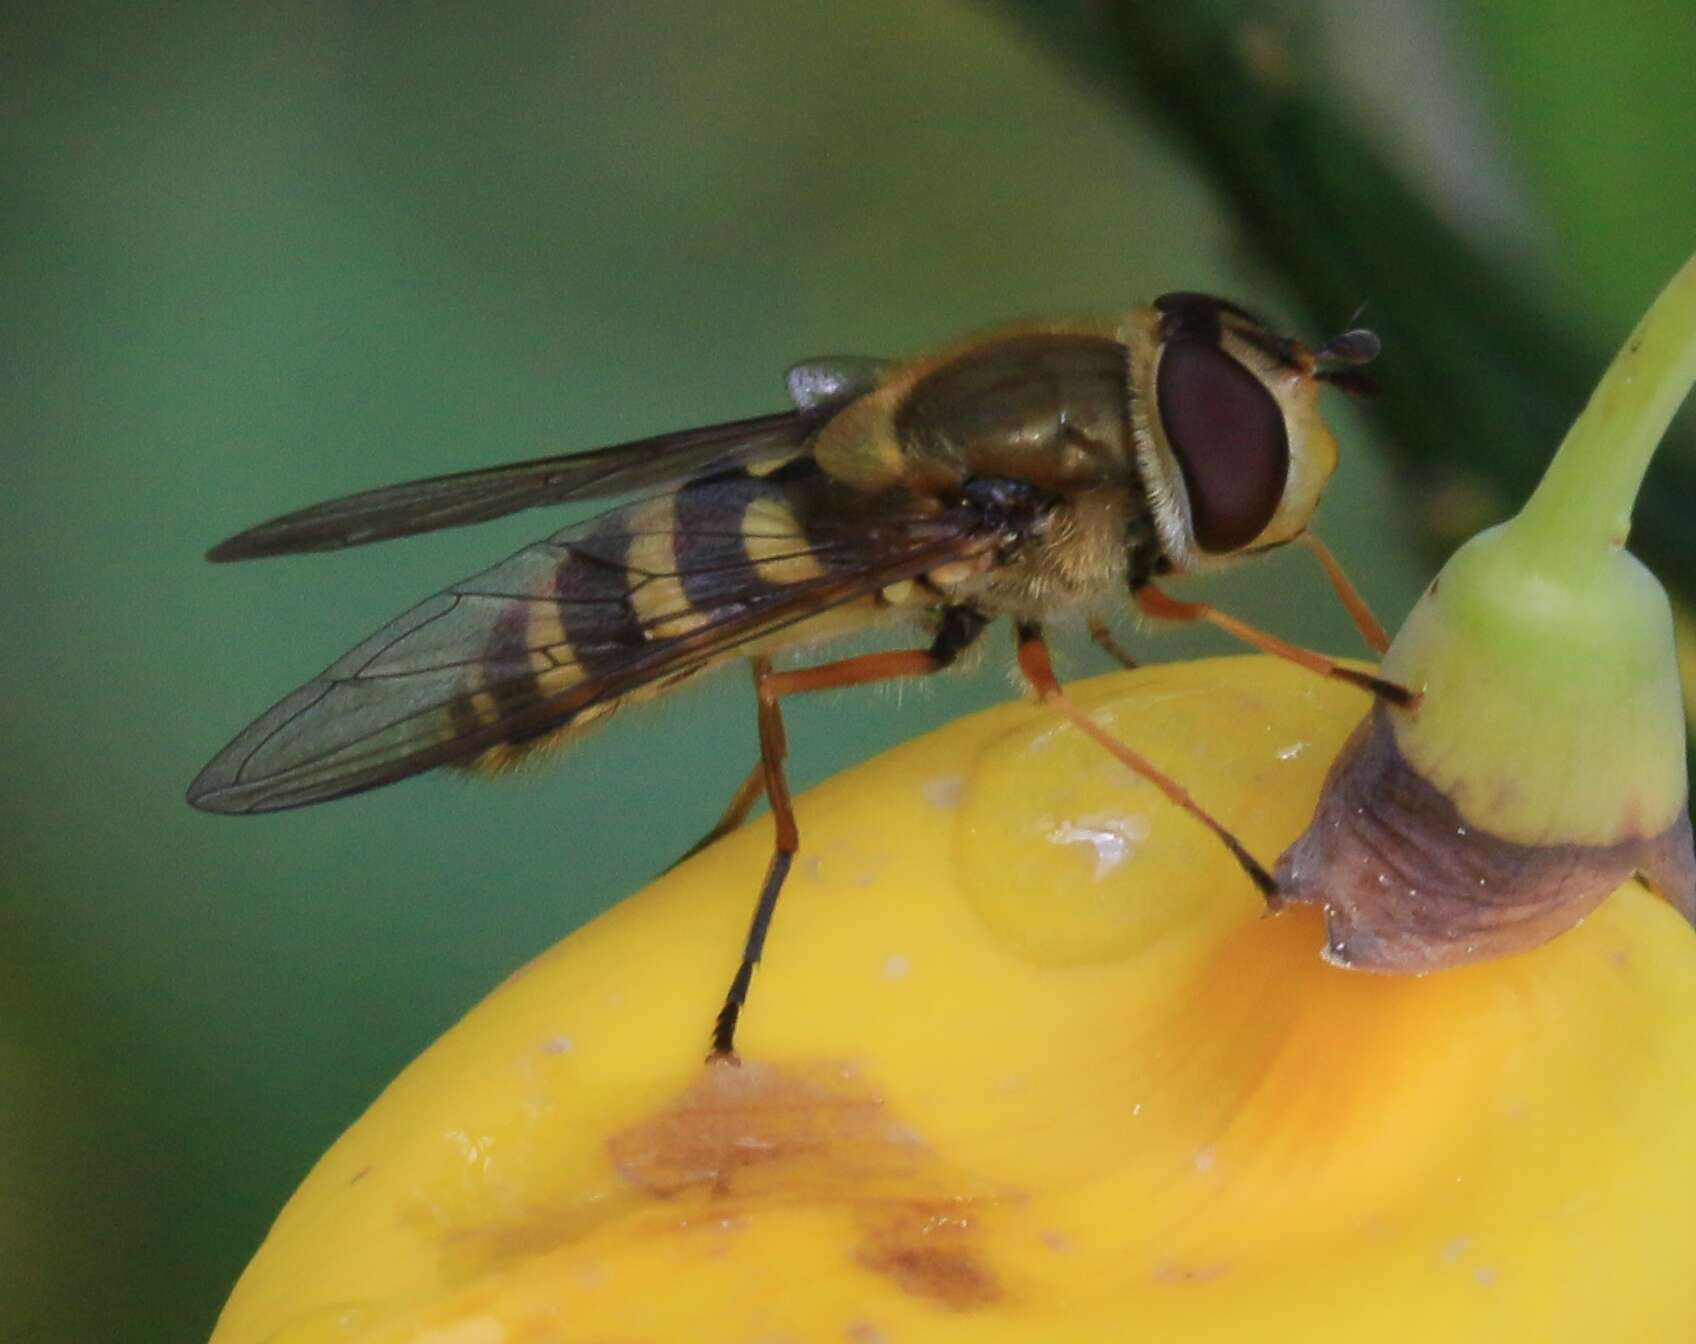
x=1032 y=470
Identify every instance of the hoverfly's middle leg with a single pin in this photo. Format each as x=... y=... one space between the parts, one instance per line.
x=748 y=792
x=1038 y=669
x=1104 y=641
x=959 y=629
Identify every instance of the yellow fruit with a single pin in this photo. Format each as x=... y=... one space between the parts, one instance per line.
x=1025 y=1062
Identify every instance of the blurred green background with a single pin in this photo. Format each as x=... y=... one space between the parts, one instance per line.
x=258 y=256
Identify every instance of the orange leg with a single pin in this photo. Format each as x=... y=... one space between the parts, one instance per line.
x=1348 y=595
x=1039 y=671
x=960 y=627
x=1157 y=604
x=1103 y=637
x=749 y=792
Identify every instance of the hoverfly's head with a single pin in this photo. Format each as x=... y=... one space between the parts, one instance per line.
x=1230 y=444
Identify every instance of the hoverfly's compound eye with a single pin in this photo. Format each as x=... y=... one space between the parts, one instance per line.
x=1227 y=433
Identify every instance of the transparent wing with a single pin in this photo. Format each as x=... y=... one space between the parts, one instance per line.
x=559 y=633
x=476 y=496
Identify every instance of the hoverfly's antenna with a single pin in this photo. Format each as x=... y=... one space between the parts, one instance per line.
x=1355 y=346
x=1351 y=349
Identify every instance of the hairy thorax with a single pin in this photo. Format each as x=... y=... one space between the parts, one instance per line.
x=1075 y=557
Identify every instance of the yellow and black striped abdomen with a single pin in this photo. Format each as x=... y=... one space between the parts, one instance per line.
x=657 y=593
x=562 y=633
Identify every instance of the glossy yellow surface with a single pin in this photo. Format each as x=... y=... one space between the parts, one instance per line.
x=1025 y=1063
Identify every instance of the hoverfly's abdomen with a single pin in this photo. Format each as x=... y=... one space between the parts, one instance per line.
x=1049 y=408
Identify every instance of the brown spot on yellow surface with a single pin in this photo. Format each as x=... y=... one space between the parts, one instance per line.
x=1177 y=1274
x=930 y=1252
x=746 y=1128
x=757 y=1134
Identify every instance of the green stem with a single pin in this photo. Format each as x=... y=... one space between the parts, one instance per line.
x=1587 y=494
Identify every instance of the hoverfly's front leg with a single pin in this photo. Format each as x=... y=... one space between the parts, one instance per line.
x=959 y=629
x=1038 y=669
x=1153 y=602
x=1348 y=595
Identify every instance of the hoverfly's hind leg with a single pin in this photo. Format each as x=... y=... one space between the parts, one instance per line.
x=1104 y=640
x=1157 y=604
x=1038 y=669
x=748 y=792
x=774 y=746
x=1348 y=595
x=959 y=628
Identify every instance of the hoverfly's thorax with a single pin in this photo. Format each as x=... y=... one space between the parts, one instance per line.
x=1229 y=440
x=1042 y=402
